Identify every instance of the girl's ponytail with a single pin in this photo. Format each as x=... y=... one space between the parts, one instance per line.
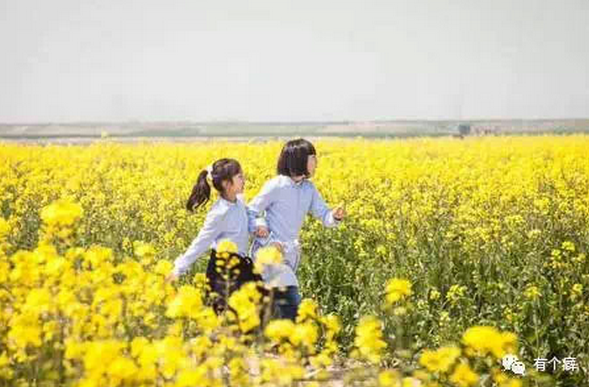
x=220 y=170
x=201 y=192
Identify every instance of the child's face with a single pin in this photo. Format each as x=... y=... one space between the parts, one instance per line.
x=237 y=184
x=311 y=164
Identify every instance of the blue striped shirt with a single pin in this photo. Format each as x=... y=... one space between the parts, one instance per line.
x=286 y=203
x=225 y=220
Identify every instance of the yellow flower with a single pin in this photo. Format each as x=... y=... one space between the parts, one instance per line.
x=455 y=293
x=163 y=267
x=187 y=303
x=388 y=378
x=532 y=293
x=485 y=339
x=568 y=246
x=410 y=382
x=307 y=310
x=39 y=301
x=208 y=321
x=4 y=360
x=190 y=378
x=279 y=329
x=100 y=355
x=245 y=301
x=499 y=376
x=25 y=330
x=368 y=339
x=122 y=369
x=576 y=291
x=332 y=324
x=440 y=360
x=74 y=349
x=464 y=376
x=98 y=256
x=275 y=372
x=143 y=249
x=52 y=295
x=397 y=289
x=267 y=256
x=226 y=246
x=171 y=355
x=62 y=213
x=305 y=334
x=4 y=228
x=238 y=372
x=512 y=383
x=323 y=359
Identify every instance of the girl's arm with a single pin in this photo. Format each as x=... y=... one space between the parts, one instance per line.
x=212 y=227
x=258 y=204
x=320 y=210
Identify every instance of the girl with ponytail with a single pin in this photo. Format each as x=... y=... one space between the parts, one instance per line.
x=226 y=220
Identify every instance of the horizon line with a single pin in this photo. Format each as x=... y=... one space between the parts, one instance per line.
x=279 y=122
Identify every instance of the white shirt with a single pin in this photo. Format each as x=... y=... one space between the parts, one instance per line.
x=225 y=220
x=286 y=204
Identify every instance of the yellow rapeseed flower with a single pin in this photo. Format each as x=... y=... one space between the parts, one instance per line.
x=440 y=360
x=143 y=249
x=187 y=303
x=4 y=229
x=163 y=267
x=267 y=256
x=512 y=383
x=388 y=378
x=464 y=376
x=397 y=289
x=307 y=310
x=305 y=334
x=455 y=293
x=532 y=293
x=246 y=302
x=369 y=340
x=226 y=246
x=62 y=213
x=488 y=340
x=277 y=330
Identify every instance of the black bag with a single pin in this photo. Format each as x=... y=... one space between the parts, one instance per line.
x=223 y=279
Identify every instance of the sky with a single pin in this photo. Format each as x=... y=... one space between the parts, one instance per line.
x=276 y=60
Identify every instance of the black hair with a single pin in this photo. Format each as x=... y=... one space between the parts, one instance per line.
x=294 y=157
x=223 y=169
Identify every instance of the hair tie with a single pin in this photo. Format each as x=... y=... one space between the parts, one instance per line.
x=210 y=172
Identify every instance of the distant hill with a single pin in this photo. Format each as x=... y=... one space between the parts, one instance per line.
x=130 y=131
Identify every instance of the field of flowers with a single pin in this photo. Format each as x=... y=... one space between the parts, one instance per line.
x=454 y=254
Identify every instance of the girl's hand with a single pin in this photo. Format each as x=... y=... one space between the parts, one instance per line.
x=262 y=232
x=171 y=278
x=339 y=213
